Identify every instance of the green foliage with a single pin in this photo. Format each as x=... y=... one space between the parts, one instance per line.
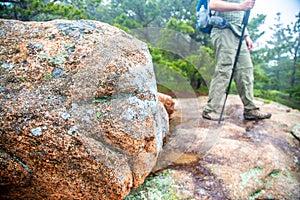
x=254 y=27
x=39 y=10
x=179 y=71
x=179 y=26
x=142 y=12
x=277 y=96
x=281 y=62
x=164 y=64
x=205 y=63
x=277 y=64
x=124 y=21
x=295 y=91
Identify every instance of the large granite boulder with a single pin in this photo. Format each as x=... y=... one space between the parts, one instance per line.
x=79 y=111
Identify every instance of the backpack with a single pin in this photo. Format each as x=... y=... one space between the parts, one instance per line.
x=203 y=15
x=205 y=20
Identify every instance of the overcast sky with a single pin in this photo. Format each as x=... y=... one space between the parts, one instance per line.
x=287 y=8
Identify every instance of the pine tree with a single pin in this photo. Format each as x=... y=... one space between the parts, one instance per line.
x=39 y=10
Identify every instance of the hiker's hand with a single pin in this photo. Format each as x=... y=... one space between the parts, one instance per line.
x=249 y=42
x=247 y=4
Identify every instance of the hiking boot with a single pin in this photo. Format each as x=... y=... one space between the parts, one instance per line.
x=256 y=114
x=211 y=116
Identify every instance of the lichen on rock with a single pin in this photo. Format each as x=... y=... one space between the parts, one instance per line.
x=79 y=111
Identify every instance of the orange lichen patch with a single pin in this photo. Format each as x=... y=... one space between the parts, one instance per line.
x=168 y=103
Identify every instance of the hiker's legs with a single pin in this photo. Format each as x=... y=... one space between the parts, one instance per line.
x=244 y=78
x=244 y=82
x=223 y=43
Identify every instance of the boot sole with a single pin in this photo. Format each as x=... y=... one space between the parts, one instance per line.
x=256 y=118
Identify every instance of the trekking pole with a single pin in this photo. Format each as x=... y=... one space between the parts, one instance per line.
x=244 y=23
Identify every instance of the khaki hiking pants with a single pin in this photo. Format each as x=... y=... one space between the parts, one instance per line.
x=225 y=45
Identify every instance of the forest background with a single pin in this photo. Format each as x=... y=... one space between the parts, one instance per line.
x=181 y=53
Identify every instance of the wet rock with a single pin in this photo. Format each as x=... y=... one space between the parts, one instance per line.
x=80 y=116
x=236 y=159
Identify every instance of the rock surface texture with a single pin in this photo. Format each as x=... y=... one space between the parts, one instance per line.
x=79 y=111
x=236 y=159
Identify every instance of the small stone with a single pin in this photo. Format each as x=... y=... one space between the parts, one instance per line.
x=36 y=131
